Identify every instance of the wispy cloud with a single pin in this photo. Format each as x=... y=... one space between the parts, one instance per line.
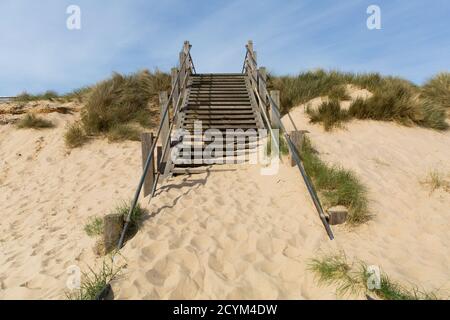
x=39 y=53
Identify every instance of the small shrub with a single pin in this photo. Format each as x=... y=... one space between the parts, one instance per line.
x=75 y=136
x=80 y=95
x=94 y=227
x=34 y=122
x=335 y=270
x=121 y=132
x=337 y=186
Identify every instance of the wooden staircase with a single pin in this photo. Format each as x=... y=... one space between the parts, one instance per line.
x=219 y=102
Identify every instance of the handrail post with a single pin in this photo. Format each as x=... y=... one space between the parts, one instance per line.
x=275 y=95
x=262 y=84
x=175 y=86
x=163 y=104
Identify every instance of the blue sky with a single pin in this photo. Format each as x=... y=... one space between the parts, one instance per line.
x=38 y=52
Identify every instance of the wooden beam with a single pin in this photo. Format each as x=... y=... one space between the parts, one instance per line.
x=275 y=95
x=262 y=84
x=146 y=142
x=297 y=140
x=176 y=87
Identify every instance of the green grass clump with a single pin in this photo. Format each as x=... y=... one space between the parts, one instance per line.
x=136 y=216
x=94 y=227
x=122 y=99
x=122 y=132
x=329 y=113
x=93 y=282
x=34 y=122
x=353 y=279
x=75 y=136
x=336 y=186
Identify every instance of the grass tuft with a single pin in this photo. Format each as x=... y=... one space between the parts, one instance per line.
x=94 y=227
x=437 y=90
x=75 y=136
x=329 y=113
x=354 y=279
x=336 y=186
x=34 y=122
x=93 y=282
x=436 y=180
x=122 y=132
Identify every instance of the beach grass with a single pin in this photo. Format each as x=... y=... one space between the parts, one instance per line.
x=94 y=282
x=122 y=132
x=75 y=136
x=353 y=278
x=336 y=186
x=394 y=99
x=31 y=121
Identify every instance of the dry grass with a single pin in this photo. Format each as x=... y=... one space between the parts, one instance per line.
x=75 y=136
x=437 y=180
x=34 y=122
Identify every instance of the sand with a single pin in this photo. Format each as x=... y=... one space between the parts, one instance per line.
x=221 y=235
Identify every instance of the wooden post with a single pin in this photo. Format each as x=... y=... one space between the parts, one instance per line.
x=163 y=99
x=112 y=229
x=297 y=140
x=262 y=84
x=182 y=68
x=146 y=142
x=275 y=95
x=176 y=91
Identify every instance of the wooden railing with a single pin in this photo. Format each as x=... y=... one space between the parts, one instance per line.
x=269 y=104
x=178 y=94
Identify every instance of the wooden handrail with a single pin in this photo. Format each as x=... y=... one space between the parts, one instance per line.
x=255 y=77
x=186 y=67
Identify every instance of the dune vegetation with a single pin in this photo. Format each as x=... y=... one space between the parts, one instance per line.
x=120 y=105
x=336 y=186
x=394 y=99
x=34 y=122
x=353 y=278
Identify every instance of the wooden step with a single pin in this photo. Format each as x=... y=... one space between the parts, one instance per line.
x=219 y=117
x=192 y=112
x=219 y=107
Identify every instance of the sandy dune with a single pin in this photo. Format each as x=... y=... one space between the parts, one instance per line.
x=229 y=234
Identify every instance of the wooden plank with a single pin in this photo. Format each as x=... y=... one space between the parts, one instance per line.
x=218 y=112
x=146 y=144
x=219 y=103
x=224 y=116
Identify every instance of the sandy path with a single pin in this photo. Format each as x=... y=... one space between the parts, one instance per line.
x=226 y=235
